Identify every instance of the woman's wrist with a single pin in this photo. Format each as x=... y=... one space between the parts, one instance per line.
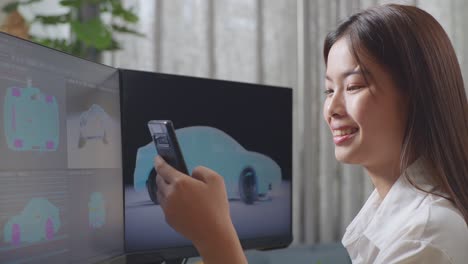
x=222 y=246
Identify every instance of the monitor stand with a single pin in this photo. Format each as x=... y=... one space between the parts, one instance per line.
x=171 y=261
x=153 y=259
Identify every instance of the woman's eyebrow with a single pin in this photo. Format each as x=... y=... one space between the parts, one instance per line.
x=350 y=72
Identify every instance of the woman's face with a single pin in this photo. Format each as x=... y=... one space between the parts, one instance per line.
x=367 y=120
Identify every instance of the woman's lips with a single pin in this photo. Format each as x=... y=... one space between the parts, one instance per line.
x=342 y=135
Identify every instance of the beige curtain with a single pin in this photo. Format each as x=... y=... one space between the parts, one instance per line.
x=276 y=42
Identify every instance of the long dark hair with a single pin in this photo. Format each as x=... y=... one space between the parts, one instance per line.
x=418 y=54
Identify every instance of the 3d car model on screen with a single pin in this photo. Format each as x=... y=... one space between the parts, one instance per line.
x=248 y=175
x=97 y=210
x=38 y=221
x=94 y=125
x=31 y=120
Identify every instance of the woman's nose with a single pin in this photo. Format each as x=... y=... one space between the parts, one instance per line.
x=336 y=105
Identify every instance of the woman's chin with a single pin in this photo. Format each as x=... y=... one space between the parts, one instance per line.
x=345 y=157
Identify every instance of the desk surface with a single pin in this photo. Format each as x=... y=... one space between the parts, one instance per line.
x=312 y=254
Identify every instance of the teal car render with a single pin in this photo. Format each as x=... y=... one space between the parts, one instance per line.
x=31 y=120
x=247 y=175
x=39 y=220
x=93 y=125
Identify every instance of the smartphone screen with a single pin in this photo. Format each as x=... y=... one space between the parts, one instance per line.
x=167 y=146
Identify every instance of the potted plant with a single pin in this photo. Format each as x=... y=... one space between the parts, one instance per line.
x=90 y=34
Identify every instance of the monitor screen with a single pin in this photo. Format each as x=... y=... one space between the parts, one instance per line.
x=242 y=131
x=61 y=197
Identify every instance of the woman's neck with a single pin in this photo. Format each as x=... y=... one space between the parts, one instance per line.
x=383 y=176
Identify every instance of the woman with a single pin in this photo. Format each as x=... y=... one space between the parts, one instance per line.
x=396 y=104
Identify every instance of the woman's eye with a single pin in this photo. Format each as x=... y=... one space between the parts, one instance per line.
x=353 y=88
x=328 y=91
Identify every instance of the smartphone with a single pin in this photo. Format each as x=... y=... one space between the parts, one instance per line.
x=165 y=140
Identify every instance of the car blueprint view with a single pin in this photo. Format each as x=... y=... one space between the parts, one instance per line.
x=61 y=197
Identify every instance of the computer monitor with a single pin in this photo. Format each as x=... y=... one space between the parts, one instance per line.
x=242 y=131
x=61 y=197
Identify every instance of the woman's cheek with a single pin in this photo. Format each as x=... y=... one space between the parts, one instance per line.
x=357 y=108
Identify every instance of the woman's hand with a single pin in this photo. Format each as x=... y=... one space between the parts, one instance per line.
x=197 y=207
x=192 y=206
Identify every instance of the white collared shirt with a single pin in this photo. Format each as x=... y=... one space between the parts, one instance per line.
x=408 y=226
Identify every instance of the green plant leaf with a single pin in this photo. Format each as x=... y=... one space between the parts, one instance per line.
x=71 y=3
x=13 y=6
x=114 y=46
x=96 y=1
x=129 y=16
x=104 y=9
x=93 y=33
x=126 y=14
x=124 y=29
x=10 y=7
x=53 y=20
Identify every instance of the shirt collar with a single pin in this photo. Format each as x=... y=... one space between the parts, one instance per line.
x=379 y=219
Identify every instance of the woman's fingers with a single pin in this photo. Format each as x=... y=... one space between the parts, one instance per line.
x=205 y=175
x=166 y=171
x=163 y=189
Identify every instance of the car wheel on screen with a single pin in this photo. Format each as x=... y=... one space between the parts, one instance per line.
x=152 y=187
x=248 y=186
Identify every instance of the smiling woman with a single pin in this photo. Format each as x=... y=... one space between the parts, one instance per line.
x=396 y=105
x=365 y=111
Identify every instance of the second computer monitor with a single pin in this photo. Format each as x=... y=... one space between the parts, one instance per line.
x=61 y=195
x=242 y=131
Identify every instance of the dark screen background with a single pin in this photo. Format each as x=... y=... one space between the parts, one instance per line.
x=258 y=117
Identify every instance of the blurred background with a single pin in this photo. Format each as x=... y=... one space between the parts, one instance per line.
x=275 y=42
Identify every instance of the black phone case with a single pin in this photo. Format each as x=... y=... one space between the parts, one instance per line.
x=167 y=145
